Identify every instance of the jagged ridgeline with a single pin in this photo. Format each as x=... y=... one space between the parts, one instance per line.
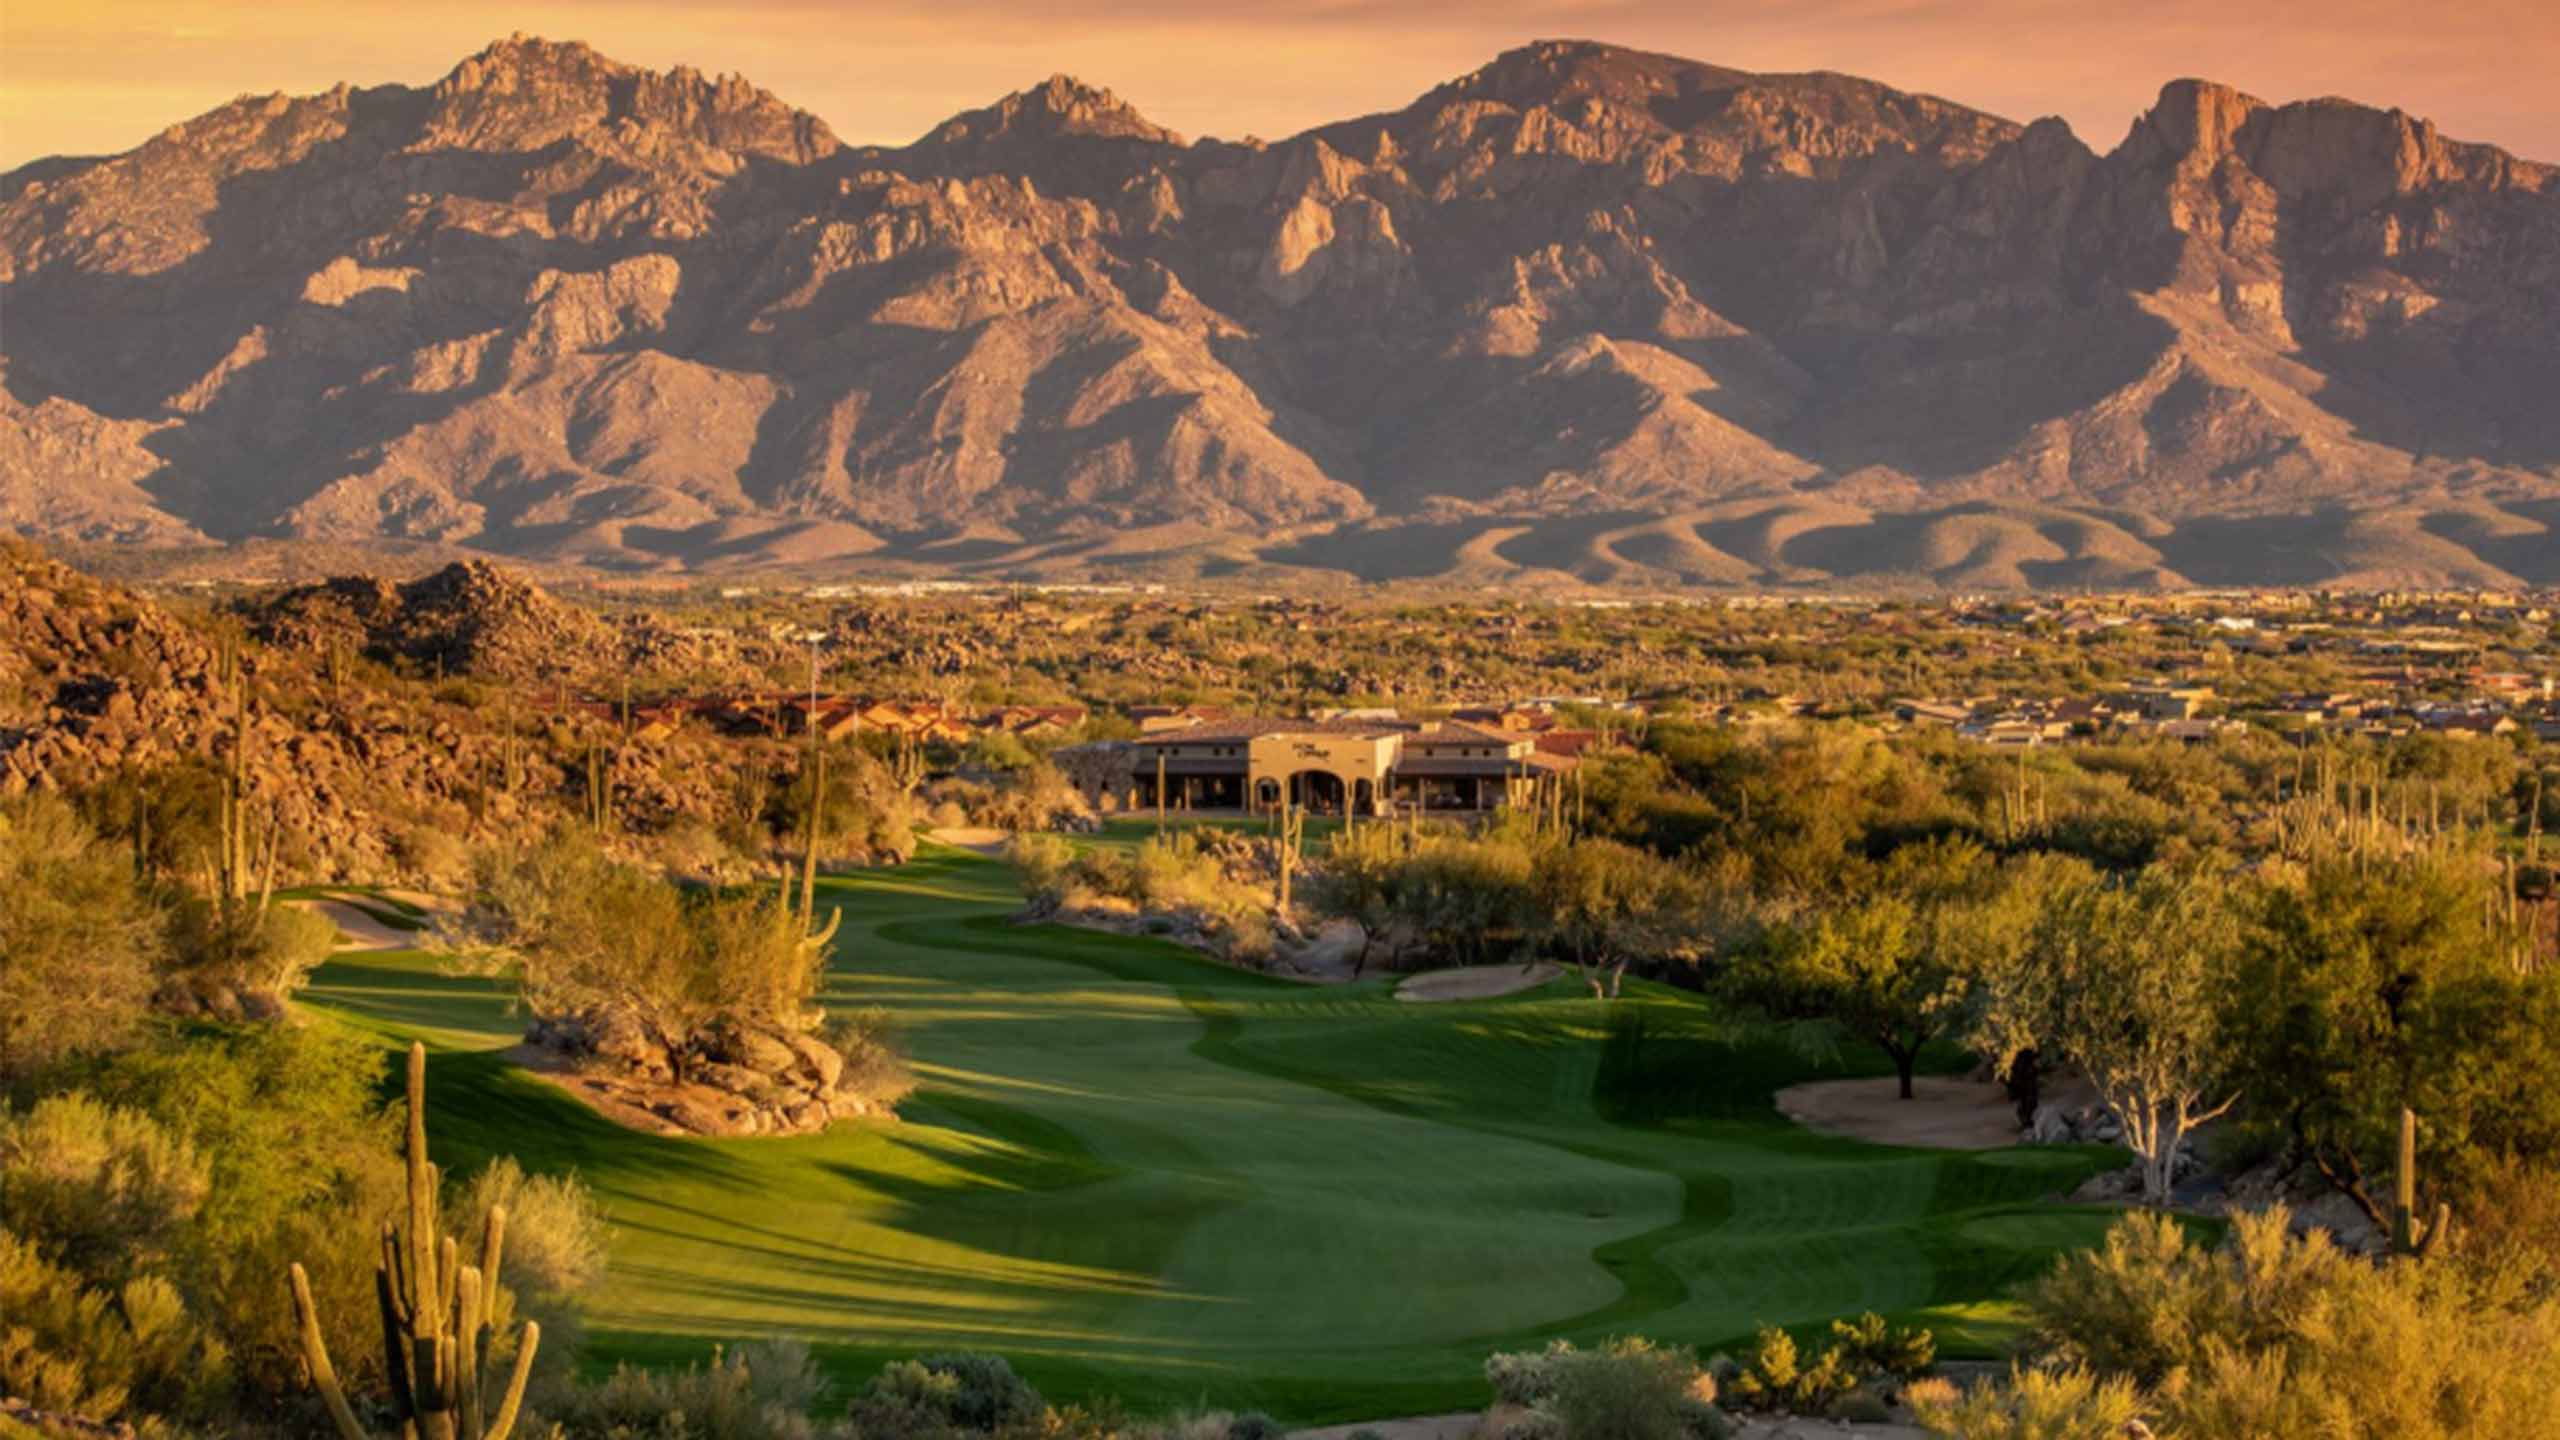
x=1584 y=314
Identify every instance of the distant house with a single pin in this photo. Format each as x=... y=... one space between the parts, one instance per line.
x=1340 y=766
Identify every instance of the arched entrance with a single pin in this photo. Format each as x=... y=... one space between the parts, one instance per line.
x=1318 y=792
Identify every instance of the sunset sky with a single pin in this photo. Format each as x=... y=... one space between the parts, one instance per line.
x=91 y=76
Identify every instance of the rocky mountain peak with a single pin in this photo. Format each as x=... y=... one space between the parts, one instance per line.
x=1060 y=106
x=2196 y=117
x=523 y=93
x=1554 y=72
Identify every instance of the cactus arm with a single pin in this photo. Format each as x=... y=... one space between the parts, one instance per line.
x=395 y=1352
x=514 y=1401
x=315 y=1352
x=448 y=1303
x=835 y=918
x=466 y=1351
x=493 y=1238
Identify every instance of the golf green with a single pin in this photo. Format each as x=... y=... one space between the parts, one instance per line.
x=1139 y=1173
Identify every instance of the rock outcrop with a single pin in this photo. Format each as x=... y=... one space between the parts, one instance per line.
x=1585 y=312
x=737 y=1080
x=470 y=618
x=361 y=776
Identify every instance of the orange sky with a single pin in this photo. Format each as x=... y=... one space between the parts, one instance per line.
x=89 y=76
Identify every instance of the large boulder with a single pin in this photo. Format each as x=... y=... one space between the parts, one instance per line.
x=754 y=1049
x=735 y=1079
x=819 y=1060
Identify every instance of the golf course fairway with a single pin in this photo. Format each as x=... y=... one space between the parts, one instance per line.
x=1139 y=1173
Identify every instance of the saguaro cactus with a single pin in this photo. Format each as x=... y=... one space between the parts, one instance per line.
x=2409 y=1234
x=437 y=1314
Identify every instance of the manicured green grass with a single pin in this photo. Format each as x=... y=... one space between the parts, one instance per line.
x=1139 y=1173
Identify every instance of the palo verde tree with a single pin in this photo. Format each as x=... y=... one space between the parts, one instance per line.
x=2382 y=982
x=1605 y=906
x=2133 y=983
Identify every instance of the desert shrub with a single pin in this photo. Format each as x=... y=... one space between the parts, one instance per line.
x=127 y=1352
x=761 y=1391
x=2278 y=1335
x=1773 y=1375
x=153 y=1209
x=1042 y=866
x=2510 y=1228
x=694 y=849
x=555 y=1245
x=1632 y=1389
x=1871 y=1349
x=588 y=932
x=1525 y=1377
x=1534 y=1425
x=864 y=810
x=263 y=950
x=300 y=1166
x=935 y=1394
x=79 y=945
x=433 y=854
x=999 y=751
x=110 y=1191
x=2070 y=1404
x=875 y=1067
x=1203 y=1425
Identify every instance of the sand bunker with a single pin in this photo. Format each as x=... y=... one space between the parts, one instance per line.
x=983 y=839
x=358 y=930
x=1943 y=1113
x=1476 y=982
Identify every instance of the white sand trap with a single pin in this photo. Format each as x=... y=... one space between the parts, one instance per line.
x=1943 y=1113
x=356 y=929
x=1476 y=982
x=984 y=839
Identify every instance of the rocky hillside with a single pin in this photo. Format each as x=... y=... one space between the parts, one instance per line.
x=361 y=774
x=1585 y=314
x=467 y=619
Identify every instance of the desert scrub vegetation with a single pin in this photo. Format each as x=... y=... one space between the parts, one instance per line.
x=83 y=944
x=1214 y=888
x=1627 y=1389
x=584 y=932
x=2271 y=1334
x=152 y=1200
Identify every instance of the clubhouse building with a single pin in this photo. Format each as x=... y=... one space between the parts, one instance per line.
x=1337 y=767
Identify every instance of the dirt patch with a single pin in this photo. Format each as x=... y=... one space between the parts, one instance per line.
x=981 y=839
x=1476 y=982
x=1943 y=1114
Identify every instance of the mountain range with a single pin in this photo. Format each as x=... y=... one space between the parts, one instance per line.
x=1585 y=315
